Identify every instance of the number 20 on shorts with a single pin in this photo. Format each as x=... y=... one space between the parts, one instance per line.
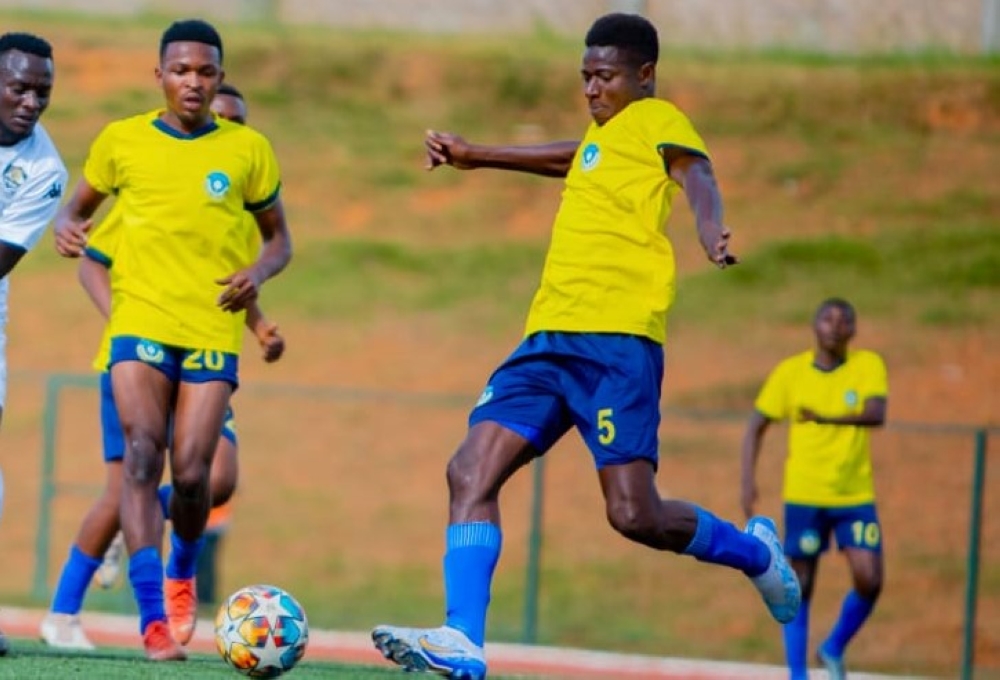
x=202 y=359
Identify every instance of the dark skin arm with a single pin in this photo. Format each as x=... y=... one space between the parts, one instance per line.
x=873 y=415
x=753 y=437
x=94 y=278
x=271 y=343
x=73 y=220
x=9 y=257
x=550 y=160
x=694 y=173
x=242 y=287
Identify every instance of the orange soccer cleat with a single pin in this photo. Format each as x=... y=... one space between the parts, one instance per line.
x=160 y=644
x=182 y=607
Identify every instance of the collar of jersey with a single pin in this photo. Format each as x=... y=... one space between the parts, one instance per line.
x=205 y=129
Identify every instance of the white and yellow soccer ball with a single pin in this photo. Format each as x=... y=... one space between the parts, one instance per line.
x=261 y=631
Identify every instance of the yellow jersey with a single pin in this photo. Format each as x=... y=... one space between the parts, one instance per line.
x=827 y=465
x=102 y=242
x=183 y=227
x=610 y=266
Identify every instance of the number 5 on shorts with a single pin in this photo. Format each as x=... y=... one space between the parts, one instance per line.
x=605 y=426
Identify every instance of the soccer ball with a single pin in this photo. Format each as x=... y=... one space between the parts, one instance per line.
x=261 y=631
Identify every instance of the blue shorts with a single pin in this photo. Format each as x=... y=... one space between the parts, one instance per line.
x=605 y=384
x=808 y=529
x=179 y=364
x=112 y=435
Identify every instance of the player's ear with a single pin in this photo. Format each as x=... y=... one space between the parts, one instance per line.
x=647 y=76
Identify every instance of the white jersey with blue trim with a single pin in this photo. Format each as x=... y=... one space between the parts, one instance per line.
x=32 y=180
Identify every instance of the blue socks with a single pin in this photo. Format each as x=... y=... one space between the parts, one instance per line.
x=183 y=556
x=164 y=495
x=145 y=572
x=73 y=581
x=720 y=542
x=796 y=636
x=853 y=614
x=471 y=554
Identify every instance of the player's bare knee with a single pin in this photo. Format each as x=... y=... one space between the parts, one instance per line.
x=190 y=486
x=868 y=585
x=631 y=520
x=465 y=480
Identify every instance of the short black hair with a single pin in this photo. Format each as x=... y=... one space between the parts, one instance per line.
x=191 y=30
x=230 y=90
x=26 y=42
x=839 y=303
x=629 y=32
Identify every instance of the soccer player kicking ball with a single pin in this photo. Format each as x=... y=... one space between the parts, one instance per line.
x=62 y=628
x=592 y=355
x=182 y=280
x=32 y=174
x=833 y=397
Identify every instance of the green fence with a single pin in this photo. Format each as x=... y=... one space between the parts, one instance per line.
x=339 y=418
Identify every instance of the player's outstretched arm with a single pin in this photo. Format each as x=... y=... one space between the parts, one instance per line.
x=873 y=415
x=242 y=287
x=95 y=279
x=752 y=439
x=694 y=173
x=551 y=160
x=73 y=220
x=272 y=344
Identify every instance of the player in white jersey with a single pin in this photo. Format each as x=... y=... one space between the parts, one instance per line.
x=32 y=174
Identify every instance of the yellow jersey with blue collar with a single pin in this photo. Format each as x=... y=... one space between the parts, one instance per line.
x=827 y=465
x=182 y=224
x=610 y=266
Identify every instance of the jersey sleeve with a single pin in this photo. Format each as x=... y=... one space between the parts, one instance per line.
x=773 y=401
x=264 y=183
x=670 y=128
x=102 y=242
x=36 y=202
x=100 y=170
x=875 y=380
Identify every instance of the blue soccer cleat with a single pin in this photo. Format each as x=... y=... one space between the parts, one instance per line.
x=779 y=586
x=445 y=651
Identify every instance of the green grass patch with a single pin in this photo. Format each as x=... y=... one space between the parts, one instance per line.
x=31 y=660
x=358 y=277
x=944 y=276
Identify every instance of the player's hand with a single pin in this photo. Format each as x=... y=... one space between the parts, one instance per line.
x=71 y=235
x=807 y=415
x=715 y=241
x=241 y=289
x=445 y=148
x=271 y=342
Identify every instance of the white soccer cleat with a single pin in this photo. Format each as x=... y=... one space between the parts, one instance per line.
x=445 y=651
x=111 y=566
x=779 y=586
x=63 y=631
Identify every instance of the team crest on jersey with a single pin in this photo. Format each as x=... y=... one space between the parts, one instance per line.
x=13 y=177
x=851 y=398
x=150 y=352
x=809 y=542
x=486 y=396
x=217 y=184
x=590 y=157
